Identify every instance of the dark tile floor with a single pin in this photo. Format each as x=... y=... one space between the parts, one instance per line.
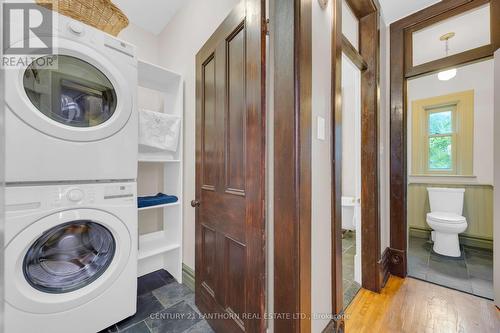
x=472 y=272
x=350 y=287
x=163 y=306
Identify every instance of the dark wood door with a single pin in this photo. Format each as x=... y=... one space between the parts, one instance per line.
x=230 y=226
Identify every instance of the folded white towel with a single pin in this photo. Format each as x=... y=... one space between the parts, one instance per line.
x=159 y=130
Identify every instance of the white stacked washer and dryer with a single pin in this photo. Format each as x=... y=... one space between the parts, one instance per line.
x=71 y=201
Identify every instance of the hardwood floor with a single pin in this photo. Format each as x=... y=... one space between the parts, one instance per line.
x=410 y=305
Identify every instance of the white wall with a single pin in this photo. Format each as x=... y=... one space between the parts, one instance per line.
x=384 y=136
x=350 y=25
x=321 y=294
x=478 y=76
x=179 y=42
x=147 y=44
x=496 y=212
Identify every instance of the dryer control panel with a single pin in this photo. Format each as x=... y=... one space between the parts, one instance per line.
x=29 y=198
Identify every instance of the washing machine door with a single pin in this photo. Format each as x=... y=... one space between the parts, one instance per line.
x=82 y=96
x=65 y=259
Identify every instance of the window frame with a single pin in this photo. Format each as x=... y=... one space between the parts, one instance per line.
x=453 y=134
x=462 y=106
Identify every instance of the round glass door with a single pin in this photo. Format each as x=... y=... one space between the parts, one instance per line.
x=69 y=256
x=74 y=93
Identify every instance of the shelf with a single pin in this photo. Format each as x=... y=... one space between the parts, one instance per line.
x=157 y=78
x=148 y=154
x=157 y=160
x=154 y=244
x=160 y=206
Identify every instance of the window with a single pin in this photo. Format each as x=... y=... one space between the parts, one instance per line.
x=443 y=135
x=441 y=141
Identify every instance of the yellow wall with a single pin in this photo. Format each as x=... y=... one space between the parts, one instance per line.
x=478 y=208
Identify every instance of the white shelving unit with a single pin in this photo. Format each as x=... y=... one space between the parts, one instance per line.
x=160 y=171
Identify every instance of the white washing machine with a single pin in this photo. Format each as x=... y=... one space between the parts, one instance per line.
x=78 y=120
x=70 y=257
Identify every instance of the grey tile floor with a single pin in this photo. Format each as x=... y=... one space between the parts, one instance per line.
x=472 y=272
x=163 y=306
x=350 y=287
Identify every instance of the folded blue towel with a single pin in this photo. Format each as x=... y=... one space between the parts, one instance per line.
x=155 y=200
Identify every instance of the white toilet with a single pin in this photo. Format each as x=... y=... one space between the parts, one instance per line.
x=446 y=219
x=348 y=218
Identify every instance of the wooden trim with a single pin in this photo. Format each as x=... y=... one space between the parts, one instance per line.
x=362 y=8
x=353 y=54
x=369 y=62
x=383 y=267
x=400 y=71
x=397 y=262
x=292 y=162
x=455 y=60
x=398 y=142
x=468 y=5
x=427 y=13
x=188 y=278
x=336 y=146
x=370 y=217
x=458 y=59
x=495 y=24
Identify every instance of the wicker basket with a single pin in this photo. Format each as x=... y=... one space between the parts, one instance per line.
x=101 y=14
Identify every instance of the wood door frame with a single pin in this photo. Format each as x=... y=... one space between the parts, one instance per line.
x=367 y=60
x=291 y=35
x=402 y=69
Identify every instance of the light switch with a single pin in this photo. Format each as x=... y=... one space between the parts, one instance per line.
x=321 y=128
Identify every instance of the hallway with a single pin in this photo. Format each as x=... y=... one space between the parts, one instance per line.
x=410 y=305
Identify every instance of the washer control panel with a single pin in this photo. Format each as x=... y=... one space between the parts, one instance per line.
x=75 y=195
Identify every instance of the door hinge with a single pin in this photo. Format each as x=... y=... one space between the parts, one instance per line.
x=267 y=27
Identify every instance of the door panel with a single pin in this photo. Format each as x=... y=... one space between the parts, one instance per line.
x=235 y=130
x=209 y=129
x=230 y=231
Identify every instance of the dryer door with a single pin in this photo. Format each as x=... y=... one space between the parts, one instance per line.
x=65 y=259
x=75 y=95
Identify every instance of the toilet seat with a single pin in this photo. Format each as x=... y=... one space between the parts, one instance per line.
x=446 y=218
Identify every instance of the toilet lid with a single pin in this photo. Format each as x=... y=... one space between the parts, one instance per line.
x=446 y=217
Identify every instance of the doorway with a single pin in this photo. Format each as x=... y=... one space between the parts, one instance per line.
x=441 y=189
x=351 y=180
x=452 y=246
x=355 y=35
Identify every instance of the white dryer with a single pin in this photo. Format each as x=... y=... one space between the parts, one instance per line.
x=70 y=257
x=76 y=120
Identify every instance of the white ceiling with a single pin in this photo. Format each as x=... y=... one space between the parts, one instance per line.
x=394 y=10
x=151 y=15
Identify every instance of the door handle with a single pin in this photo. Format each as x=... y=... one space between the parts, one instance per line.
x=195 y=203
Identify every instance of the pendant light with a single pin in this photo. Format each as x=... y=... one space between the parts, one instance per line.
x=449 y=73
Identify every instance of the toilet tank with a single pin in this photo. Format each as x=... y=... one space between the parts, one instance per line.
x=446 y=200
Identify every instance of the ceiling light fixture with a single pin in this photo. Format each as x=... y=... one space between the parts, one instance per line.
x=449 y=73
